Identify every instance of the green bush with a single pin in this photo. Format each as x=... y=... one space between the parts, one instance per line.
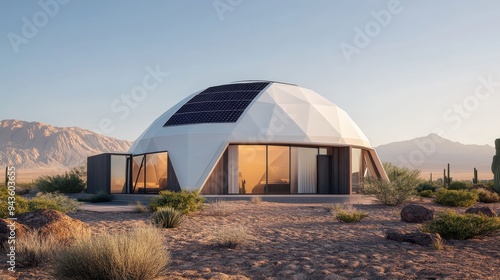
x=139 y=254
x=19 y=207
x=97 y=198
x=454 y=198
x=426 y=193
x=184 y=201
x=401 y=187
x=458 y=185
x=426 y=186
x=167 y=217
x=487 y=196
x=41 y=201
x=346 y=213
x=351 y=217
x=70 y=182
x=54 y=201
x=452 y=226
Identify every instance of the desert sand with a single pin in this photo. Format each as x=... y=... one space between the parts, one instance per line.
x=304 y=241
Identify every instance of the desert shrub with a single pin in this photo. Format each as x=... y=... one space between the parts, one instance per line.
x=487 y=196
x=256 y=199
x=456 y=198
x=97 y=197
x=351 y=217
x=220 y=208
x=490 y=184
x=437 y=242
x=401 y=187
x=185 y=201
x=33 y=249
x=426 y=186
x=167 y=217
x=330 y=207
x=54 y=201
x=453 y=226
x=348 y=214
x=458 y=185
x=70 y=182
x=139 y=254
x=139 y=207
x=230 y=236
x=426 y=193
x=19 y=207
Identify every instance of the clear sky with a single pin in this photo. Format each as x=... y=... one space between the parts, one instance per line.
x=401 y=69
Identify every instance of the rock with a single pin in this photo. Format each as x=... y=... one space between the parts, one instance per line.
x=417 y=237
x=485 y=210
x=52 y=222
x=20 y=229
x=222 y=276
x=413 y=213
x=334 y=276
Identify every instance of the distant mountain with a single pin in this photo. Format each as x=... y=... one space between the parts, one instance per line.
x=432 y=153
x=36 y=145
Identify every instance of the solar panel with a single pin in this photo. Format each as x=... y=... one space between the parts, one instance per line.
x=219 y=104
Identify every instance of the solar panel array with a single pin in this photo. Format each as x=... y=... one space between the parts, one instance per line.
x=219 y=104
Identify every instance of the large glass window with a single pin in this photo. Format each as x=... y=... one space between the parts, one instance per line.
x=357 y=170
x=138 y=163
x=304 y=170
x=156 y=172
x=118 y=174
x=149 y=173
x=251 y=169
x=278 y=169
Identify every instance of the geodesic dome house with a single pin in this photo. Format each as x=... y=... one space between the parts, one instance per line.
x=252 y=137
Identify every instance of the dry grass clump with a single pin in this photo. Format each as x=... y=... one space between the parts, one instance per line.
x=220 y=208
x=167 y=217
x=438 y=242
x=139 y=207
x=348 y=214
x=139 y=254
x=256 y=199
x=230 y=236
x=32 y=249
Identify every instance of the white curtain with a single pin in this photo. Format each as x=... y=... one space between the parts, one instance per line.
x=304 y=170
x=233 y=169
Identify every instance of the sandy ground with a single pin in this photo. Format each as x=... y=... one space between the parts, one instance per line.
x=304 y=241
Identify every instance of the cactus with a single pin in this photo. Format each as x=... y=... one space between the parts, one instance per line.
x=449 y=178
x=6 y=177
x=474 y=180
x=495 y=166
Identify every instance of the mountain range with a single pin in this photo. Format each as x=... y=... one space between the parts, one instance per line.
x=432 y=153
x=28 y=145
x=42 y=149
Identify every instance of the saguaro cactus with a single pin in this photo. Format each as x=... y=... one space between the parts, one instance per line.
x=495 y=166
x=474 y=180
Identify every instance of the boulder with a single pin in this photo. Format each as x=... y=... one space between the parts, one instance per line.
x=417 y=237
x=485 y=210
x=20 y=229
x=413 y=213
x=52 y=222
